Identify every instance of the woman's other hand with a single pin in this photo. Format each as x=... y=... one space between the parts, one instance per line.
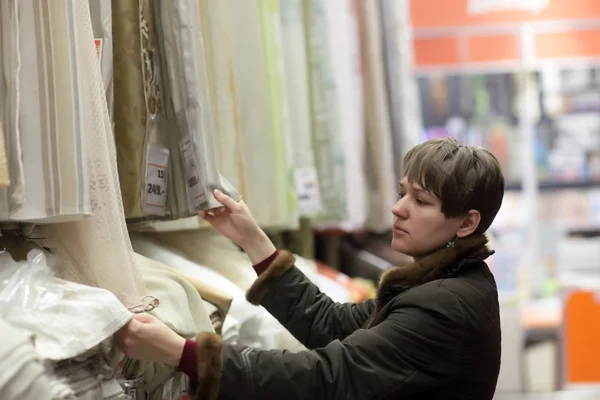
x=235 y=221
x=146 y=338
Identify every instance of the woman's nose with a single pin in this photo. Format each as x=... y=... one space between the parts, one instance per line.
x=399 y=209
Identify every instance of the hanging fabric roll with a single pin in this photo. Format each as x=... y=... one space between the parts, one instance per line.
x=380 y=164
x=46 y=121
x=228 y=134
x=327 y=142
x=181 y=37
x=130 y=111
x=267 y=171
x=285 y=197
x=401 y=83
x=11 y=198
x=344 y=46
x=297 y=85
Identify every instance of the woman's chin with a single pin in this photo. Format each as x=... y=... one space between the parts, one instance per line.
x=399 y=245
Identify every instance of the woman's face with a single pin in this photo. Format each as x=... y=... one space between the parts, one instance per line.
x=420 y=227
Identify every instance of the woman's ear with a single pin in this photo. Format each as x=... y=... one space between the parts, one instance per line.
x=469 y=224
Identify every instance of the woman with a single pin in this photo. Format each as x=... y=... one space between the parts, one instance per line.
x=433 y=332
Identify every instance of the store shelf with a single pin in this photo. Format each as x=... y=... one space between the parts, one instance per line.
x=549 y=185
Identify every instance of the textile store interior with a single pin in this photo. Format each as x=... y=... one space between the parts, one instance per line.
x=118 y=118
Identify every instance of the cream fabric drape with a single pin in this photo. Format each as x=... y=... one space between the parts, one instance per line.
x=95 y=251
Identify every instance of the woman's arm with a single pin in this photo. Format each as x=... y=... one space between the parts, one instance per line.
x=310 y=315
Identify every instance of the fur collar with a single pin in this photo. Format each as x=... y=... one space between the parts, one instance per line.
x=444 y=263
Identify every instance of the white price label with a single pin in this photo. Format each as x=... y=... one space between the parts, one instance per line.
x=307 y=190
x=194 y=187
x=155 y=189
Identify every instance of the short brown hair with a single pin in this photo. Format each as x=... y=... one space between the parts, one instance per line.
x=463 y=177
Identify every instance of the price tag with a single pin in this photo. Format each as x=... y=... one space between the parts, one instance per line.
x=195 y=191
x=155 y=189
x=307 y=191
x=99 y=43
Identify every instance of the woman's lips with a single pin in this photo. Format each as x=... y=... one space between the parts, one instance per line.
x=399 y=231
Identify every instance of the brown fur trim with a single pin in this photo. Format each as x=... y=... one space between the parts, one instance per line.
x=432 y=267
x=282 y=263
x=210 y=365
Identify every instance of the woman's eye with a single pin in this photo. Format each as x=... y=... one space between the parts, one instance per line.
x=400 y=195
x=421 y=202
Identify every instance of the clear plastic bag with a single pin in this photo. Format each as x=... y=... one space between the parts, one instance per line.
x=66 y=318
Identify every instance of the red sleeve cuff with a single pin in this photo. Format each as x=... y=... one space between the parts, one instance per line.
x=264 y=264
x=189 y=362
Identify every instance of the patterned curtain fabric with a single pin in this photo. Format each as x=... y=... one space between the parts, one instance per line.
x=327 y=140
x=46 y=120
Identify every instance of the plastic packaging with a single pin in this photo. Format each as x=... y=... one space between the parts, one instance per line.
x=66 y=318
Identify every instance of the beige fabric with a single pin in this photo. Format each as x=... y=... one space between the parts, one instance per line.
x=129 y=105
x=209 y=248
x=97 y=251
x=220 y=299
x=181 y=306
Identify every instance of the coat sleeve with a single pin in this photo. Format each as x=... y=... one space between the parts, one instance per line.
x=311 y=316
x=416 y=349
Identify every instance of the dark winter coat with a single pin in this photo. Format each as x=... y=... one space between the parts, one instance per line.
x=433 y=332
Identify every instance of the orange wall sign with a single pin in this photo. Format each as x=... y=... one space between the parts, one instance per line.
x=454 y=13
x=451 y=36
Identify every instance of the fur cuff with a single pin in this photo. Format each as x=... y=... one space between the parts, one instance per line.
x=210 y=365
x=284 y=261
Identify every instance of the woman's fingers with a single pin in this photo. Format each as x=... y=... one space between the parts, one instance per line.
x=227 y=201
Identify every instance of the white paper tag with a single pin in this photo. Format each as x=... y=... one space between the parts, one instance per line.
x=195 y=191
x=155 y=189
x=307 y=191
